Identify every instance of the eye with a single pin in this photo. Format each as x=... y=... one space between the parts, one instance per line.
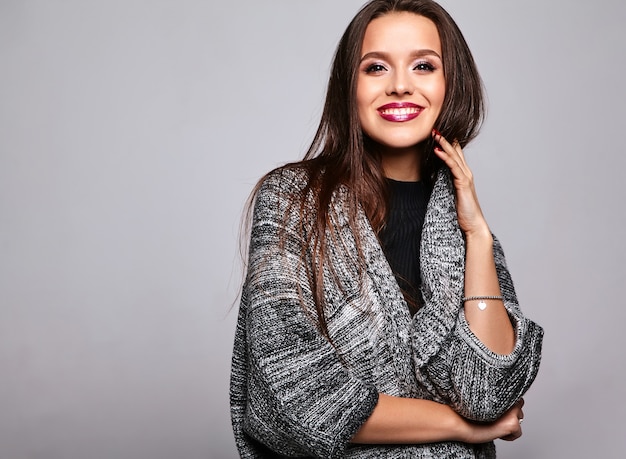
x=375 y=68
x=424 y=67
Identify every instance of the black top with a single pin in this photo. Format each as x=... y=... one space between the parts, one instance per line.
x=401 y=236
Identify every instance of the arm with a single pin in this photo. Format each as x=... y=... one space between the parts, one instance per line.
x=492 y=325
x=492 y=356
x=289 y=391
x=404 y=420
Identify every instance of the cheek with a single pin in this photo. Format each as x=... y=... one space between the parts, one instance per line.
x=362 y=103
x=439 y=91
x=361 y=95
x=368 y=90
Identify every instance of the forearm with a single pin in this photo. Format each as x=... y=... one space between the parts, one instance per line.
x=409 y=420
x=397 y=420
x=491 y=325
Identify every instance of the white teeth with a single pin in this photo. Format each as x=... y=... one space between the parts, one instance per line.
x=400 y=111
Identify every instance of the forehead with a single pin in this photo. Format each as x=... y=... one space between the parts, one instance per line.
x=401 y=32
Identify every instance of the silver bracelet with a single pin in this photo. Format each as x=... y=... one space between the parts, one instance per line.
x=482 y=305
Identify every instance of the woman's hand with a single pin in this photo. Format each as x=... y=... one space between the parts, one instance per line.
x=508 y=427
x=470 y=216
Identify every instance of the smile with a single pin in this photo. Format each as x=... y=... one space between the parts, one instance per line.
x=399 y=111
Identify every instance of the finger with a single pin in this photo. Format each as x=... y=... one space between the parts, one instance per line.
x=444 y=144
x=453 y=150
x=514 y=435
x=511 y=437
x=457 y=147
x=453 y=162
x=445 y=149
x=461 y=172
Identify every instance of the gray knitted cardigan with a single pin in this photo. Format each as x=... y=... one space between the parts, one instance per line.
x=293 y=394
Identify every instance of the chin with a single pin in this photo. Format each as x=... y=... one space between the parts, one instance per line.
x=401 y=144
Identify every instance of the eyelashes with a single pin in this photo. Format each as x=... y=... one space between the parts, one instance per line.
x=375 y=68
x=422 y=67
x=425 y=67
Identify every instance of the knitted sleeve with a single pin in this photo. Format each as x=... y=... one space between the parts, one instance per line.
x=289 y=391
x=478 y=383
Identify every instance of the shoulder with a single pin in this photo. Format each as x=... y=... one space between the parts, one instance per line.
x=291 y=179
x=300 y=191
x=282 y=194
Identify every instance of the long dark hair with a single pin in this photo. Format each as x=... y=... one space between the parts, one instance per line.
x=341 y=155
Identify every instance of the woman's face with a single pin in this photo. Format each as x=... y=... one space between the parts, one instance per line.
x=401 y=84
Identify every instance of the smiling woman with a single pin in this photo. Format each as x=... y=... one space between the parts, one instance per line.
x=378 y=318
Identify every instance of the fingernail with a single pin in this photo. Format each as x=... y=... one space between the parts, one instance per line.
x=436 y=132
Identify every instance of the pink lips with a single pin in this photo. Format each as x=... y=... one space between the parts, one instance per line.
x=399 y=112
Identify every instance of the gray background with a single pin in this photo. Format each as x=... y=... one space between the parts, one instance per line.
x=131 y=133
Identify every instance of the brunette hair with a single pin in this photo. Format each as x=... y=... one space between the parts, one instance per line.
x=341 y=155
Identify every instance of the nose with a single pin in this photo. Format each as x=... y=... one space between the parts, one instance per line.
x=400 y=83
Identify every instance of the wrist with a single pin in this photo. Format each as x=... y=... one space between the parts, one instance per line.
x=480 y=234
x=462 y=430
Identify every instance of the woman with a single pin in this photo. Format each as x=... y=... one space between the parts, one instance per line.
x=378 y=318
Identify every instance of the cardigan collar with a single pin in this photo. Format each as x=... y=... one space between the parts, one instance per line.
x=442 y=264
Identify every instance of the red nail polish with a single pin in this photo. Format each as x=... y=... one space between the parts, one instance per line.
x=436 y=132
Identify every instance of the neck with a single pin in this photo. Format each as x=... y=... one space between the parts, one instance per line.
x=402 y=165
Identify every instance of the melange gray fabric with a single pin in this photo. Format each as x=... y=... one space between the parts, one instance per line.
x=293 y=394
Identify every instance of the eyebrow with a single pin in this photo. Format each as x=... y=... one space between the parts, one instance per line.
x=414 y=54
